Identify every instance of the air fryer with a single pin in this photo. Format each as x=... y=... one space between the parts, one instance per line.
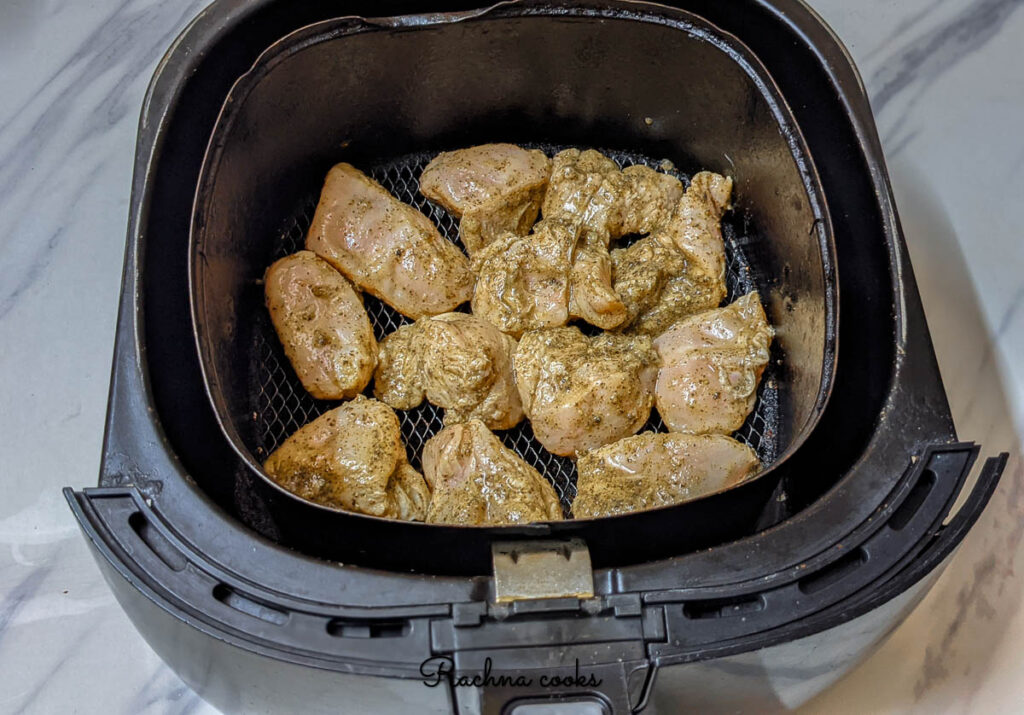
x=263 y=602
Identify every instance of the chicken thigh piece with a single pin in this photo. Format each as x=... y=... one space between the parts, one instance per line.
x=582 y=392
x=398 y=379
x=544 y=279
x=493 y=188
x=588 y=189
x=322 y=325
x=650 y=470
x=640 y=272
x=696 y=226
x=591 y=296
x=563 y=269
x=711 y=364
x=458 y=362
x=680 y=295
x=478 y=481
x=680 y=268
x=584 y=191
x=467 y=369
x=352 y=458
x=386 y=247
x=648 y=201
x=523 y=281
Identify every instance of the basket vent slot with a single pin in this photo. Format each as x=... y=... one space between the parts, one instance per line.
x=920 y=491
x=833 y=573
x=355 y=628
x=723 y=607
x=156 y=542
x=243 y=604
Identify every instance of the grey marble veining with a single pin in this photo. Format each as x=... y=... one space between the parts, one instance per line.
x=907 y=70
x=949 y=100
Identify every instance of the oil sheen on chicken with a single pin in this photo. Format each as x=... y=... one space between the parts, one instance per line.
x=680 y=268
x=523 y=281
x=544 y=279
x=478 y=481
x=386 y=247
x=711 y=364
x=352 y=458
x=493 y=188
x=456 y=361
x=322 y=325
x=591 y=296
x=588 y=190
x=563 y=269
x=582 y=392
x=650 y=470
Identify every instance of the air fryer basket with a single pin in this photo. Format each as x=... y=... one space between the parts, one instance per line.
x=387 y=95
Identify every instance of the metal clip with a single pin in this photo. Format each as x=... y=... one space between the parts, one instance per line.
x=541 y=569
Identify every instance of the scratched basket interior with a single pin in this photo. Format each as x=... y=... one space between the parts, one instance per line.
x=280 y=405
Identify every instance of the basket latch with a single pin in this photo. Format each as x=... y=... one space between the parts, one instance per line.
x=526 y=570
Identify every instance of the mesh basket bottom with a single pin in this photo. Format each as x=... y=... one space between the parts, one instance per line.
x=279 y=405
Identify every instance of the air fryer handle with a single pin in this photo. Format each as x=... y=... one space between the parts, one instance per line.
x=611 y=688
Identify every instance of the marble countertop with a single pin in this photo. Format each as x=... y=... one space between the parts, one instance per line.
x=948 y=95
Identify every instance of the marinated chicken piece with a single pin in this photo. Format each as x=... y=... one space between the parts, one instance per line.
x=657 y=286
x=682 y=295
x=584 y=191
x=590 y=286
x=523 y=281
x=544 y=279
x=648 y=202
x=322 y=325
x=352 y=458
x=680 y=268
x=398 y=380
x=458 y=362
x=651 y=470
x=467 y=369
x=563 y=269
x=493 y=188
x=641 y=272
x=386 y=247
x=696 y=226
x=477 y=481
x=408 y=492
x=711 y=364
x=581 y=392
x=587 y=189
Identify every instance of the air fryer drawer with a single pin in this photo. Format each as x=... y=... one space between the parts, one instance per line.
x=654 y=82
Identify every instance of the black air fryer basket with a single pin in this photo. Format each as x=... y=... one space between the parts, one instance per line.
x=264 y=602
x=702 y=101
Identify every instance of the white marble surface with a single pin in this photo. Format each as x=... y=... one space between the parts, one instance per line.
x=949 y=97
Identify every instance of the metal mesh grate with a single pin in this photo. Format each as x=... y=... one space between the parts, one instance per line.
x=280 y=405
